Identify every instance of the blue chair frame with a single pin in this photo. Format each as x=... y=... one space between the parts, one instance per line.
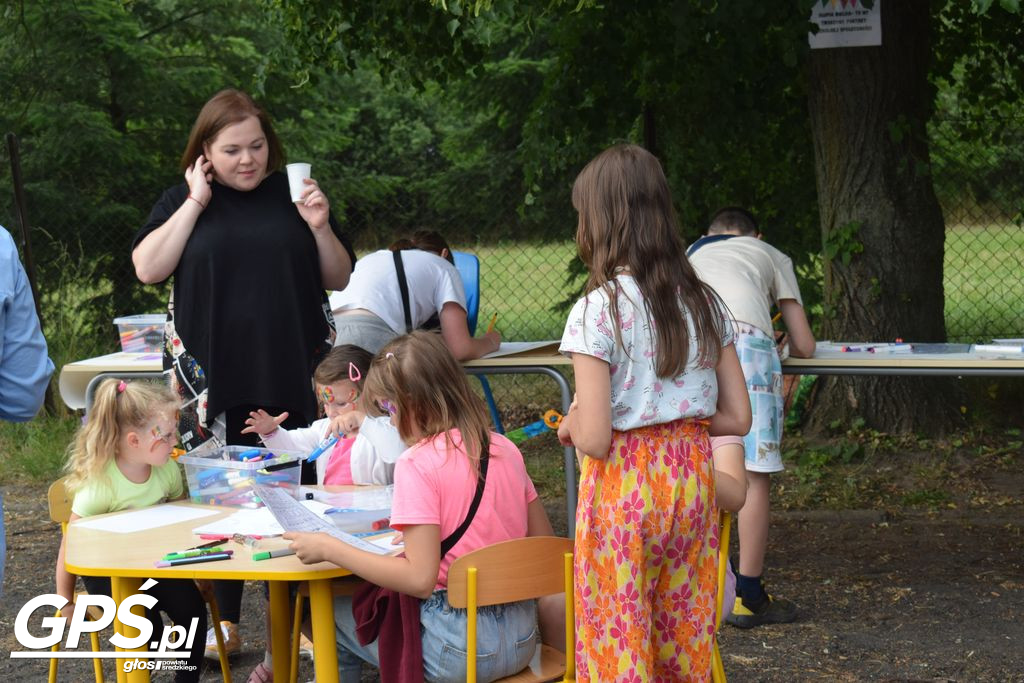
x=468 y=266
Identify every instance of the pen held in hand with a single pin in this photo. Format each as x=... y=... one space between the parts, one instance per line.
x=324 y=445
x=494 y=319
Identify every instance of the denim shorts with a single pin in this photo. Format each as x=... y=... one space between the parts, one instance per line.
x=507 y=637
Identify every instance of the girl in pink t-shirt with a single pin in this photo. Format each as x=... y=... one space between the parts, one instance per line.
x=416 y=380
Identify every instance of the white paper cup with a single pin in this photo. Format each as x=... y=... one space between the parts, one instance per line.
x=296 y=174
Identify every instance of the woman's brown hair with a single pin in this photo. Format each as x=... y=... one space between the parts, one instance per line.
x=224 y=109
x=419 y=377
x=626 y=220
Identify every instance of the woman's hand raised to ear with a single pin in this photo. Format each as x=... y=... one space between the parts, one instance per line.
x=314 y=207
x=199 y=176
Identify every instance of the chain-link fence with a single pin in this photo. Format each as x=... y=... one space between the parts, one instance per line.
x=978 y=172
x=82 y=229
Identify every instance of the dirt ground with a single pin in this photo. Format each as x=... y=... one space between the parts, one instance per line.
x=892 y=593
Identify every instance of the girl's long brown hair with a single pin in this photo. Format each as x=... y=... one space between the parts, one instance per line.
x=626 y=220
x=113 y=411
x=418 y=375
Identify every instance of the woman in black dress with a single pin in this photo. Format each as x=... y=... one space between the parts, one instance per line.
x=248 y=318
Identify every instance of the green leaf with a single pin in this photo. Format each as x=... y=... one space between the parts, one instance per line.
x=1010 y=5
x=453 y=26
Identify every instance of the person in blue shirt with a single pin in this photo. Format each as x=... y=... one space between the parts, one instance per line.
x=25 y=367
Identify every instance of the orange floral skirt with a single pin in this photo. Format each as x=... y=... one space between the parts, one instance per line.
x=646 y=550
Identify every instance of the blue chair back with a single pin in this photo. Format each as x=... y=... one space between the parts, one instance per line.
x=468 y=266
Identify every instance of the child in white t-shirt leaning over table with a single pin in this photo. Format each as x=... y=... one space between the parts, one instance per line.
x=366 y=448
x=751 y=276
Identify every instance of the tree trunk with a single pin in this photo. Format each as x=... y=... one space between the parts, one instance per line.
x=882 y=228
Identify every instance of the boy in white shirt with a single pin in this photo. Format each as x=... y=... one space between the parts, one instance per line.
x=751 y=276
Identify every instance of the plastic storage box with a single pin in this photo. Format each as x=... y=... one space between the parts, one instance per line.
x=225 y=476
x=141 y=333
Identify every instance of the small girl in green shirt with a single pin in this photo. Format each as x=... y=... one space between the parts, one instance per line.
x=121 y=460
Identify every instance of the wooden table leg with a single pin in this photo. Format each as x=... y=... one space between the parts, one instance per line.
x=280 y=629
x=325 y=653
x=123 y=587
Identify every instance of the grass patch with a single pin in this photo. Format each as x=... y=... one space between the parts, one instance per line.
x=34 y=451
x=981 y=279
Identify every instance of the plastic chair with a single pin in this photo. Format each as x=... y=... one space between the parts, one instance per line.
x=59 y=505
x=724 y=526
x=521 y=569
x=468 y=266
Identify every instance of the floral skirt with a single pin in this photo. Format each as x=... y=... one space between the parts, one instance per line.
x=646 y=549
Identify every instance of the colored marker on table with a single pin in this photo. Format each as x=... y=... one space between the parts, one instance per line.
x=194 y=553
x=892 y=348
x=267 y=554
x=324 y=445
x=226 y=555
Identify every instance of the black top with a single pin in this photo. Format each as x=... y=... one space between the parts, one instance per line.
x=249 y=299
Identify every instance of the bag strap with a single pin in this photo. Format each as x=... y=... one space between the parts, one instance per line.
x=403 y=286
x=448 y=543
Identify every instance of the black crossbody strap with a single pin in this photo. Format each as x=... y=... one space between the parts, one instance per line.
x=453 y=538
x=403 y=286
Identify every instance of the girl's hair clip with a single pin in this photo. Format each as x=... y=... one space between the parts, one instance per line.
x=121 y=386
x=353 y=373
x=389 y=355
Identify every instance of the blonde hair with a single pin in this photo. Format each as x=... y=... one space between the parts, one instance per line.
x=117 y=406
x=418 y=375
x=626 y=220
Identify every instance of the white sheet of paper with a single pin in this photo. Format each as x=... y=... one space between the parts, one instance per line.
x=254 y=522
x=509 y=348
x=130 y=521
x=370 y=498
x=294 y=517
x=385 y=543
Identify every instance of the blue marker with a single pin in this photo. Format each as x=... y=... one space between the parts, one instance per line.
x=324 y=445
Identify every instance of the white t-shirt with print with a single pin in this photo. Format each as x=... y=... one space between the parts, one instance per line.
x=433 y=282
x=639 y=396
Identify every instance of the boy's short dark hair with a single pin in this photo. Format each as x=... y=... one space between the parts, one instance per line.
x=733 y=219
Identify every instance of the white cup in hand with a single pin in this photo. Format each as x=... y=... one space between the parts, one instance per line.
x=296 y=174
